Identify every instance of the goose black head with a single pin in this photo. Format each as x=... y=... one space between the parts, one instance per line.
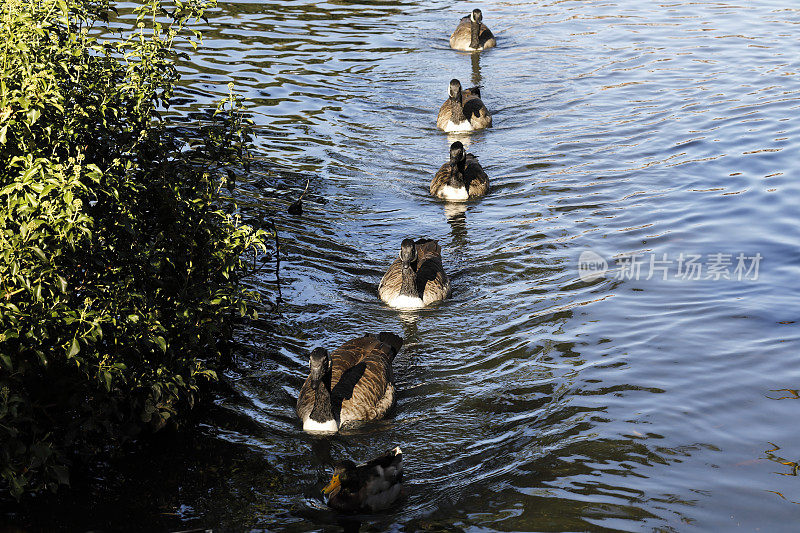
x=455 y=89
x=408 y=252
x=318 y=362
x=476 y=16
x=457 y=153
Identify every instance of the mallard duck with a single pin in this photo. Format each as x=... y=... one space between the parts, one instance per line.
x=351 y=385
x=462 y=178
x=463 y=111
x=416 y=278
x=471 y=34
x=368 y=487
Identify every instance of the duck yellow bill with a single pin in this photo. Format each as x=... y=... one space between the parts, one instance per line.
x=333 y=485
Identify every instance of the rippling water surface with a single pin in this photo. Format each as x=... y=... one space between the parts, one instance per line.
x=531 y=400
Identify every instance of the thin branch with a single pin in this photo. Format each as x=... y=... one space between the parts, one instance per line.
x=277 y=260
x=308 y=180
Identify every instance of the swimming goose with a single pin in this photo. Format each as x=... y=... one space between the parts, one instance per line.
x=471 y=34
x=460 y=179
x=369 y=487
x=416 y=278
x=353 y=384
x=463 y=111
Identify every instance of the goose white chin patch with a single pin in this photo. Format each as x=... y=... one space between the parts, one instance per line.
x=452 y=193
x=407 y=302
x=461 y=126
x=312 y=426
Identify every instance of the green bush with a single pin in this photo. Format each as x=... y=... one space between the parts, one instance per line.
x=119 y=270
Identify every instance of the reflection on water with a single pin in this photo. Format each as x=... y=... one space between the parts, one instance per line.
x=465 y=138
x=530 y=400
x=455 y=213
x=476 y=69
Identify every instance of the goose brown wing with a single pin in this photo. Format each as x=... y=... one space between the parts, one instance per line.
x=462 y=35
x=444 y=115
x=390 y=284
x=478 y=188
x=475 y=110
x=440 y=179
x=476 y=177
x=431 y=279
x=395 y=342
x=485 y=35
x=305 y=400
x=472 y=92
x=427 y=249
x=360 y=376
x=474 y=169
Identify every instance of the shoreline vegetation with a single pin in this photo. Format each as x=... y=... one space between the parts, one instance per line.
x=121 y=264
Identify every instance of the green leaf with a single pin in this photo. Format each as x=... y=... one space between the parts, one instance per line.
x=33 y=115
x=39 y=253
x=62 y=5
x=74 y=348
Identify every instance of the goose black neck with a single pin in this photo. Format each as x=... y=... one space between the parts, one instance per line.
x=457 y=172
x=457 y=109
x=408 y=284
x=475 y=30
x=322 y=411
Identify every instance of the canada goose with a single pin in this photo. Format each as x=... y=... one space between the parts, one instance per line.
x=369 y=487
x=416 y=278
x=460 y=179
x=471 y=34
x=353 y=384
x=463 y=111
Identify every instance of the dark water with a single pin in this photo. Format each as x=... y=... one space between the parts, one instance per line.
x=532 y=400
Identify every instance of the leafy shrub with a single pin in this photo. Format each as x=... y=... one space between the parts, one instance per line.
x=119 y=271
